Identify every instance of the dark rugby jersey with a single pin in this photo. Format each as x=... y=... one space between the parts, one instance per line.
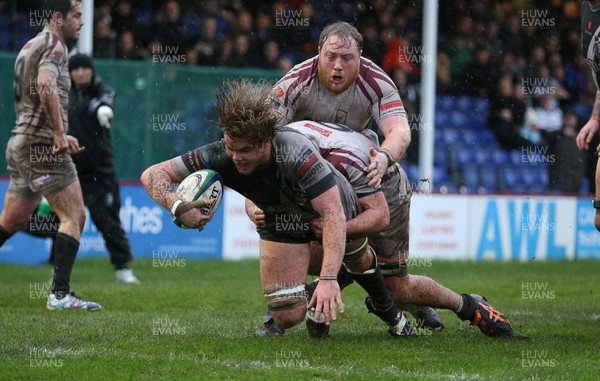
x=590 y=39
x=295 y=175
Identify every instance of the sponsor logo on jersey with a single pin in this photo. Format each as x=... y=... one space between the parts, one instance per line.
x=320 y=130
x=389 y=105
x=279 y=92
x=306 y=161
x=57 y=53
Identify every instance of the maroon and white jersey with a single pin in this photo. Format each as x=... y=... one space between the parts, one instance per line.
x=348 y=151
x=299 y=95
x=43 y=52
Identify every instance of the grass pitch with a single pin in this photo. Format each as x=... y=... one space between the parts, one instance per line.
x=195 y=319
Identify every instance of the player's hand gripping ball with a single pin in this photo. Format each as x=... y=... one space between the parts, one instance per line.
x=202 y=185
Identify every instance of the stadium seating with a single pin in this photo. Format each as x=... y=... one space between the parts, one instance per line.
x=467 y=155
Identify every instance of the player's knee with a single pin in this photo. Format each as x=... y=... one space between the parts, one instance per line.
x=359 y=259
x=80 y=218
x=287 y=303
x=289 y=318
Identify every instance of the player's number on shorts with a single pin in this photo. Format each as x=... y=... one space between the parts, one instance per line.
x=18 y=84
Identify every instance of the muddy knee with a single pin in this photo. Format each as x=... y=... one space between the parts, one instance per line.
x=287 y=303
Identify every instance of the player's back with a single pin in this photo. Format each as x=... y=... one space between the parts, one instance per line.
x=43 y=52
x=346 y=149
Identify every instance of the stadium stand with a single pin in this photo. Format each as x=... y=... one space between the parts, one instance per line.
x=468 y=156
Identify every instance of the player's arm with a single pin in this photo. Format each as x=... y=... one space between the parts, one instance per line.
x=48 y=92
x=159 y=181
x=396 y=130
x=327 y=294
x=257 y=215
x=592 y=126
x=374 y=218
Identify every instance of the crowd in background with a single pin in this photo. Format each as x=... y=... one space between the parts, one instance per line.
x=524 y=56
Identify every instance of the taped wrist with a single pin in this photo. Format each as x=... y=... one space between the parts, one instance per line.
x=388 y=156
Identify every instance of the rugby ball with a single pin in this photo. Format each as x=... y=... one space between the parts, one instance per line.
x=204 y=184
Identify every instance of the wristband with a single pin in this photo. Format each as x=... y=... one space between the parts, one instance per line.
x=175 y=206
x=596 y=118
x=328 y=277
x=388 y=155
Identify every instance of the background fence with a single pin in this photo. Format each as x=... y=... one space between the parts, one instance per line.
x=162 y=110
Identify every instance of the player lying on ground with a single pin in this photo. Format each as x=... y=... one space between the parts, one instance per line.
x=348 y=151
x=299 y=187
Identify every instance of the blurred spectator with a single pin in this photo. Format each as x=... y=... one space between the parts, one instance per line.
x=105 y=40
x=207 y=42
x=507 y=114
x=284 y=64
x=577 y=81
x=480 y=74
x=511 y=35
x=410 y=95
x=169 y=29
x=372 y=48
x=159 y=54
x=550 y=84
x=240 y=55
x=123 y=18
x=191 y=57
x=548 y=116
x=270 y=56
x=565 y=167
x=567 y=170
x=443 y=74
x=571 y=45
x=225 y=50
x=400 y=53
x=126 y=47
x=460 y=56
x=309 y=36
x=492 y=38
x=508 y=64
x=102 y=9
x=243 y=23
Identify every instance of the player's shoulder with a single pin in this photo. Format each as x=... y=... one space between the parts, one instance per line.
x=51 y=42
x=46 y=44
x=372 y=74
x=297 y=79
x=288 y=135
